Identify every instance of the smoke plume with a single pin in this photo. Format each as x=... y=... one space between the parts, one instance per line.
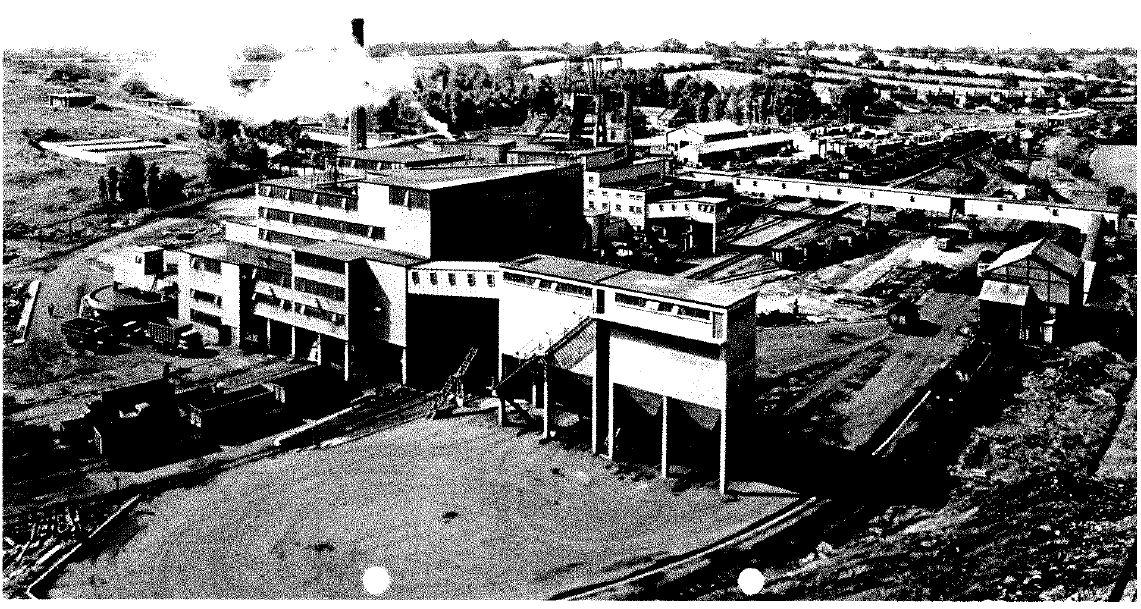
x=304 y=83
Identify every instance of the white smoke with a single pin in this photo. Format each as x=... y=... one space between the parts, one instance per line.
x=304 y=83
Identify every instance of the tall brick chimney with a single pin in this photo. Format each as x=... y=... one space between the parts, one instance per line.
x=358 y=122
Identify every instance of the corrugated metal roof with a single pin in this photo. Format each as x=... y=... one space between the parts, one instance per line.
x=1044 y=251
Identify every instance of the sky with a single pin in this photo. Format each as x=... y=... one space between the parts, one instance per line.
x=152 y=24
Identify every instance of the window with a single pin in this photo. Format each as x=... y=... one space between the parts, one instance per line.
x=415 y=278
x=807 y=188
x=754 y=183
x=590 y=179
x=1000 y=207
x=692 y=312
x=546 y=285
x=665 y=307
x=783 y=185
x=1054 y=212
x=433 y=279
x=738 y=181
x=630 y=301
x=687 y=207
x=617 y=208
x=451 y=279
x=718 y=325
x=490 y=280
x=377 y=233
x=913 y=199
x=839 y=191
x=590 y=191
x=871 y=195
x=673 y=206
x=471 y=279
x=661 y=208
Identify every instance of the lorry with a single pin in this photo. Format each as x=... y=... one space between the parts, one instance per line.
x=87 y=334
x=174 y=335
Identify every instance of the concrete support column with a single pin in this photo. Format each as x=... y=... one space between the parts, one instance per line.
x=269 y=335
x=319 y=343
x=546 y=401
x=610 y=415
x=665 y=437
x=293 y=341
x=404 y=366
x=346 y=361
x=534 y=390
x=722 y=484
x=595 y=390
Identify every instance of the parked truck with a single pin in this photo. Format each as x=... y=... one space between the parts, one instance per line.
x=174 y=335
x=89 y=334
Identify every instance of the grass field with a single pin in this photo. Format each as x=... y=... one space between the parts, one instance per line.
x=41 y=188
x=452 y=508
x=489 y=59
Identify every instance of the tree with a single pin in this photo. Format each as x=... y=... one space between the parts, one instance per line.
x=672 y=45
x=103 y=191
x=595 y=48
x=153 y=185
x=1108 y=68
x=471 y=46
x=112 y=185
x=855 y=97
x=503 y=45
x=1010 y=80
x=171 y=184
x=133 y=182
x=217 y=171
x=615 y=47
x=868 y=57
x=138 y=87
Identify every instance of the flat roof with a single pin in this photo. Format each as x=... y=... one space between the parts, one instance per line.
x=72 y=94
x=347 y=252
x=308 y=184
x=745 y=142
x=397 y=154
x=430 y=178
x=563 y=268
x=234 y=252
x=678 y=288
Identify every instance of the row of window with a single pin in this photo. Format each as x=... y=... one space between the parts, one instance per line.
x=331 y=224
x=281 y=278
x=206 y=297
x=318 y=288
x=208 y=265
x=273 y=236
x=314 y=261
x=434 y=279
x=638 y=302
x=205 y=318
x=273 y=301
x=321 y=199
x=406 y=197
x=336 y=319
x=546 y=284
x=617 y=194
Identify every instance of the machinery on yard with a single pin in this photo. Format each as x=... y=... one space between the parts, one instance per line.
x=174 y=335
x=87 y=334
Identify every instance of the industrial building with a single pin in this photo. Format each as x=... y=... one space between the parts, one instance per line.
x=321 y=273
x=110 y=151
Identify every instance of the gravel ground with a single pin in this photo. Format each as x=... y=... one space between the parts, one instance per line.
x=454 y=508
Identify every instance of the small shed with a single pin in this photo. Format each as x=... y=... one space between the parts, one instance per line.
x=70 y=100
x=1009 y=311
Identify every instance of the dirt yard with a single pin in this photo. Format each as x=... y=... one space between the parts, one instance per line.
x=454 y=508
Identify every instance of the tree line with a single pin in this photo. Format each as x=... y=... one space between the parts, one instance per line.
x=136 y=186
